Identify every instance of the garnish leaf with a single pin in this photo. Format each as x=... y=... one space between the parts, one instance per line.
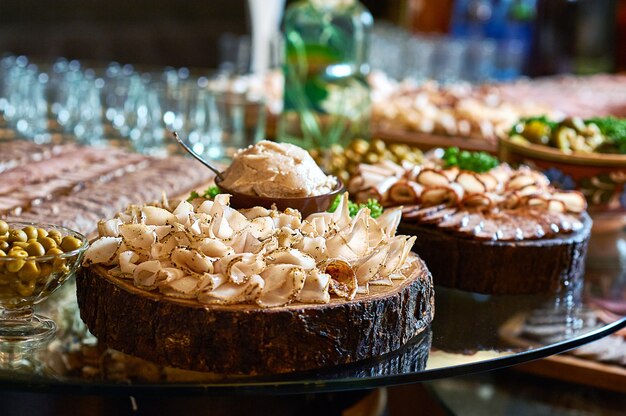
x=474 y=161
x=209 y=193
x=374 y=206
x=612 y=127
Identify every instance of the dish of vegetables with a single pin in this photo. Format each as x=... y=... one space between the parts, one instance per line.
x=573 y=134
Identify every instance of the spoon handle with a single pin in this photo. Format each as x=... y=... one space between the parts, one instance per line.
x=198 y=157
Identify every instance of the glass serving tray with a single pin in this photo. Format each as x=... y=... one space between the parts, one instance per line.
x=470 y=333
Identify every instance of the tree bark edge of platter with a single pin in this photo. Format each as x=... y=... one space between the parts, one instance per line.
x=251 y=340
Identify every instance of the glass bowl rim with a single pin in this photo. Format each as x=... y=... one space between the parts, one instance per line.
x=47 y=257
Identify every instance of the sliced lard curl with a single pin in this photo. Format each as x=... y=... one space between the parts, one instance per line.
x=214 y=248
x=230 y=293
x=315 y=289
x=192 y=260
x=109 y=228
x=128 y=262
x=185 y=287
x=368 y=267
x=158 y=216
x=240 y=267
x=343 y=281
x=313 y=246
x=291 y=256
x=139 y=237
x=283 y=283
x=102 y=251
x=389 y=221
x=146 y=274
x=183 y=212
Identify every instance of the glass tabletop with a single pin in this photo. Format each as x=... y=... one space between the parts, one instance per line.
x=470 y=333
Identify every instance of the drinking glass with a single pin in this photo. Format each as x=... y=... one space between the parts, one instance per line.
x=448 y=59
x=241 y=117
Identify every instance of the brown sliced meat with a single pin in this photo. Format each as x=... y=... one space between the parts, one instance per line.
x=548 y=222
x=475 y=223
x=508 y=227
x=531 y=229
x=423 y=211
x=455 y=221
x=438 y=216
x=489 y=230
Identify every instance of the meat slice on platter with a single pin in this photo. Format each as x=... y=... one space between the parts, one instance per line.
x=75 y=186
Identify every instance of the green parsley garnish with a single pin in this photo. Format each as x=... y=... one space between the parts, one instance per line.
x=209 y=193
x=374 y=206
x=474 y=161
x=612 y=127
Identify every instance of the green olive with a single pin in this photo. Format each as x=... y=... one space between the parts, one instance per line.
x=55 y=251
x=31 y=232
x=336 y=149
x=26 y=288
x=344 y=176
x=41 y=233
x=70 y=243
x=399 y=149
x=18 y=252
x=378 y=146
x=371 y=158
x=35 y=249
x=359 y=146
x=29 y=271
x=14 y=265
x=56 y=236
x=45 y=270
x=17 y=236
x=6 y=278
x=48 y=243
x=4 y=227
x=351 y=155
x=60 y=265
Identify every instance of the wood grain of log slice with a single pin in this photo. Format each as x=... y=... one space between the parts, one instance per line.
x=246 y=339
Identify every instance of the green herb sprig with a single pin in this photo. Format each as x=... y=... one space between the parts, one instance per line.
x=474 y=161
x=612 y=127
x=209 y=193
x=374 y=206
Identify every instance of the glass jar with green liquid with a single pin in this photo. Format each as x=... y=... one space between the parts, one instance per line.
x=326 y=96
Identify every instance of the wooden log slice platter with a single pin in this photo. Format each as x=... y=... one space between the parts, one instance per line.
x=246 y=339
x=499 y=267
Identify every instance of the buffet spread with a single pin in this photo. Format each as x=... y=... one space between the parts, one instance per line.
x=275 y=268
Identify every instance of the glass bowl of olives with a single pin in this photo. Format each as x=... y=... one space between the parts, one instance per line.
x=35 y=260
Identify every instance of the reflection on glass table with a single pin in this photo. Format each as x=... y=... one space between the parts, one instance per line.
x=470 y=333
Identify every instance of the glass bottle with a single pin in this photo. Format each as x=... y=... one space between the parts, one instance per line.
x=326 y=95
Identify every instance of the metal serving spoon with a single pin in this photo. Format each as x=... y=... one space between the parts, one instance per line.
x=198 y=157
